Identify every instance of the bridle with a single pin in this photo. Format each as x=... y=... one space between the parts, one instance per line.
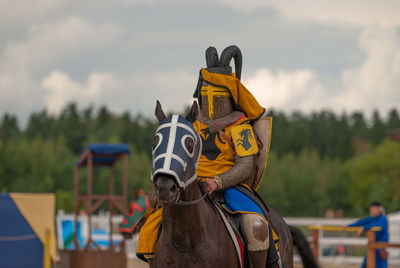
x=181 y=203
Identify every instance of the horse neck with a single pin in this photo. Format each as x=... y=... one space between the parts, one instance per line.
x=187 y=221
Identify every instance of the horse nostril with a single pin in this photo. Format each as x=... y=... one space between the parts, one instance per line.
x=165 y=186
x=173 y=188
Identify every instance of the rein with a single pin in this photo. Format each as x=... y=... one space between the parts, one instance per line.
x=181 y=203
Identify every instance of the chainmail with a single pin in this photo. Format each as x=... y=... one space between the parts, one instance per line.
x=224 y=116
x=216 y=125
x=239 y=173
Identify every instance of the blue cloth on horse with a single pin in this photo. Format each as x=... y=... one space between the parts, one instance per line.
x=238 y=202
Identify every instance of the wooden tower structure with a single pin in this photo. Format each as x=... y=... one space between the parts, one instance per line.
x=100 y=155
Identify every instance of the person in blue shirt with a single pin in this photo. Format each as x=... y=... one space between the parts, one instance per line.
x=377 y=218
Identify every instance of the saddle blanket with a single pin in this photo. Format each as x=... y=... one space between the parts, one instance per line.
x=238 y=202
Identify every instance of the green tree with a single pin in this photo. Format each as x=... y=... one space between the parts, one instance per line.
x=359 y=126
x=344 y=147
x=303 y=185
x=393 y=119
x=375 y=176
x=41 y=124
x=9 y=127
x=73 y=128
x=378 y=129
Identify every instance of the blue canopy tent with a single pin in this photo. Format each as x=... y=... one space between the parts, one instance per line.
x=103 y=154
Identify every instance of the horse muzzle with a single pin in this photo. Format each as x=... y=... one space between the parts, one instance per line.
x=166 y=190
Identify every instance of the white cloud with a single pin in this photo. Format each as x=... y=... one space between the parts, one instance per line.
x=173 y=88
x=22 y=11
x=357 y=12
x=286 y=90
x=46 y=46
x=48 y=43
x=130 y=92
x=376 y=82
x=61 y=89
x=25 y=12
x=47 y=55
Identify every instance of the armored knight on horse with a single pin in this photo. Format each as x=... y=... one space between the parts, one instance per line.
x=206 y=170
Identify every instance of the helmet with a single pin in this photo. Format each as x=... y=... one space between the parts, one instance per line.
x=219 y=91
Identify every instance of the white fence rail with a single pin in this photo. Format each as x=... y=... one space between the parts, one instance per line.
x=328 y=252
x=100 y=224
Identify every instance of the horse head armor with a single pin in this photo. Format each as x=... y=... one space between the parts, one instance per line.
x=176 y=148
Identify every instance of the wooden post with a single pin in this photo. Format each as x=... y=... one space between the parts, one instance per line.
x=315 y=243
x=125 y=182
x=76 y=207
x=46 y=249
x=124 y=191
x=89 y=174
x=89 y=197
x=111 y=193
x=370 y=249
x=76 y=184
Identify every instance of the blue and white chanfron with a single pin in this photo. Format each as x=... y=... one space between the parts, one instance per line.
x=171 y=154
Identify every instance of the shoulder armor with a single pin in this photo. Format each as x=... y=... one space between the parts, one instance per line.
x=244 y=140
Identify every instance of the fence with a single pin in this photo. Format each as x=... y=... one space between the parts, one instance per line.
x=329 y=246
x=326 y=250
x=100 y=231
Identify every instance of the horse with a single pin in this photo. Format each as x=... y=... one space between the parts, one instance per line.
x=193 y=233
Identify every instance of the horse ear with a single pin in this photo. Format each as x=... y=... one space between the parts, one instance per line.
x=159 y=112
x=194 y=111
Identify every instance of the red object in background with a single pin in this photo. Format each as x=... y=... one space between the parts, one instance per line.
x=394 y=135
x=340 y=249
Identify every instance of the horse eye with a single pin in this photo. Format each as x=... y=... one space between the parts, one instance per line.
x=189 y=144
x=156 y=139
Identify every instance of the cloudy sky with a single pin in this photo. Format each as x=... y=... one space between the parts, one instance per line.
x=341 y=55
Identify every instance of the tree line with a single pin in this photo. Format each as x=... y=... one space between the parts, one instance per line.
x=318 y=161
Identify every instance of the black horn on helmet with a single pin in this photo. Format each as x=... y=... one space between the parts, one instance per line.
x=220 y=66
x=226 y=57
x=213 y=63
x=212 y=57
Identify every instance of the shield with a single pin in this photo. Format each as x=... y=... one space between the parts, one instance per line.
x=262 y=130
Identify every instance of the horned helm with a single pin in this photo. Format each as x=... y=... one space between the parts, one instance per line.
x=215 y=101
x=219 y=91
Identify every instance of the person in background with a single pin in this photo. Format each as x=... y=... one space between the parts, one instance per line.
x=377 y=218
x=137 y=209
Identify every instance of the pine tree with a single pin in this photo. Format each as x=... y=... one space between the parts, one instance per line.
x=378 y=130
x=9 y=127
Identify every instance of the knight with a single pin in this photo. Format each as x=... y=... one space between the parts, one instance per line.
x=227 y=166
x=227 y=112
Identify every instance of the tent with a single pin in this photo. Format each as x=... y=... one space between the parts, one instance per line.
x=24 y=221
x=103 y=154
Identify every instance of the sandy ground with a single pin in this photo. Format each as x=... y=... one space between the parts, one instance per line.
x=137 y=264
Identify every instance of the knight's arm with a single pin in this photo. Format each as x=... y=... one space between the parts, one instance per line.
x=239 y=173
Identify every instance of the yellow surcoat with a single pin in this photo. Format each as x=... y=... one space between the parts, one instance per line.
x=219 y=148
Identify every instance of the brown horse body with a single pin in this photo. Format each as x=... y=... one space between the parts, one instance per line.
x=194 y=236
